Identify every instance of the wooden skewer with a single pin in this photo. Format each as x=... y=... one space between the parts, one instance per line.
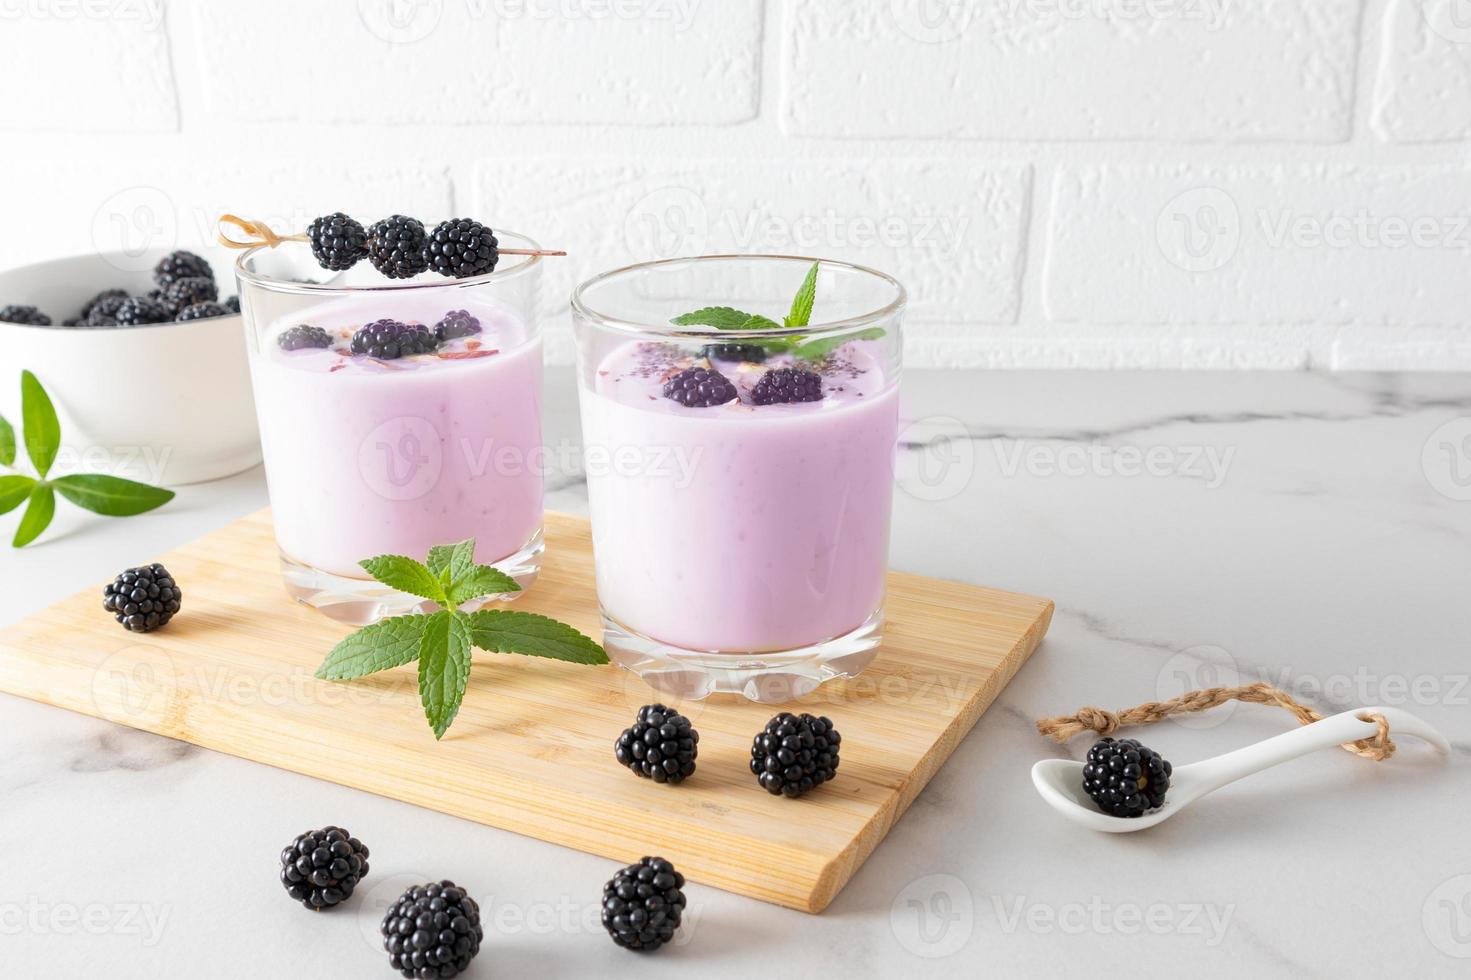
x=261 y=234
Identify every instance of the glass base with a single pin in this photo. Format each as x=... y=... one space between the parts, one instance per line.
x=771 y=678
x=359 y=602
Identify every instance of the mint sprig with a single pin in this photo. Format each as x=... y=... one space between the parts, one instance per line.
x=110 y=496
x=800 y=315
x=440 y=641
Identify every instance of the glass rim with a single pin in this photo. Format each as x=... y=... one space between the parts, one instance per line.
x=501 y=272
x=580 y=307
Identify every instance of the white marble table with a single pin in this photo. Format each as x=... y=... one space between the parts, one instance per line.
x=1290 y=528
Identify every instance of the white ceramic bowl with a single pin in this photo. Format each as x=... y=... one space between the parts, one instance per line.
x=167 y=403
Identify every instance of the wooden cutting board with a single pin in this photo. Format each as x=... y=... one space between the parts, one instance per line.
x=532 y=748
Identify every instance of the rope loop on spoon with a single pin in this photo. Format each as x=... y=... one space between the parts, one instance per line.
x=1090 y=719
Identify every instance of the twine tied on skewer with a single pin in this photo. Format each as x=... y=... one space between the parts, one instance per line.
x=1377 y=747
x=261 y=233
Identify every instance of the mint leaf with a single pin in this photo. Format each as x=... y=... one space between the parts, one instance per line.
x=7 y=443
x=406 y=575
x=444 y=668
x=439 y=556
x=39 y=511
x=387 y=643
x=458 y=558
x=13 y=490
x=482 y=581
x=507 y=631
x=816 y=350
x=111 y=496
x=39 y=423
x=801 y=313
x=720 y=317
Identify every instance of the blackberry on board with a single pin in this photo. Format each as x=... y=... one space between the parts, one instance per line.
x=138 y=310
x=142 y=599
x=456 y=324
x=432 y=930
x=660 y=745
x=320 y=868
x=396 y=246
x=338 y=242
x=643 y=904
x=460 y=248
x=302 y=336
x=202 y=311
x=754 y=353
x=1125 y=778
x=787 y=385
x=699 y=388
x=21 y=313
x=180 y=265
x=795 y=753
x=390 y=339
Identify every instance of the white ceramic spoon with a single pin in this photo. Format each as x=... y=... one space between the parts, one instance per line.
x=1060 y=781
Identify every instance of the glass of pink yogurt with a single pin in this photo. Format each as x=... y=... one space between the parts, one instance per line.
x=395 y=416
x=740 y=471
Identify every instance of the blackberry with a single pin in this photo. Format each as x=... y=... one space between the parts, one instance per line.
x=28 y=315
x=735 y=352
x=1125 y=778
x=112 y=296
x=660 y=746
x=189 y=291
x=73 y=321
x=338 y=242
x=233 y=304
x=460 y=248
x=180 y=265
x=795 y=753
x=321 y=867
x=202 y=311
x=140 y=310
x=432 y=931
x=787 y=385
x=643 y=904
x=390 y=339
x=99 y=320
x=456 y=323
x=302 y=336
x=143 y=599
x=396 y=247
x=699 y=388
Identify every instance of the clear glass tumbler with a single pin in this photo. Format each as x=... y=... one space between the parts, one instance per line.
x=740 y=546
x=368 y=455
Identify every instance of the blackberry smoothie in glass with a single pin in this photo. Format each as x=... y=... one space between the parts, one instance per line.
x=394 y=416
x=740 y=469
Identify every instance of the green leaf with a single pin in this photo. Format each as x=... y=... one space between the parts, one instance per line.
x=39 y=422
x=110 y=495
x=13 y=490
x=757 y=322
x=444 y=668
x=801 y=313
x=39 y=512
x=816 y=350
x=482 y=581
x=7 y=443
x=386 y=644
x=720 y=317
x=406 y=575
x=507 y=631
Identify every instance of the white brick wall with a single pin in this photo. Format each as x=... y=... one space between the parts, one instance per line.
x=1091 y=183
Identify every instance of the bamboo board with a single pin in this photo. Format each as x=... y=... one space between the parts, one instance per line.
x=532 y=749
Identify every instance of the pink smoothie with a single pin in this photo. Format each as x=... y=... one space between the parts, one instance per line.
x=740 y=528
x=367 y=457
